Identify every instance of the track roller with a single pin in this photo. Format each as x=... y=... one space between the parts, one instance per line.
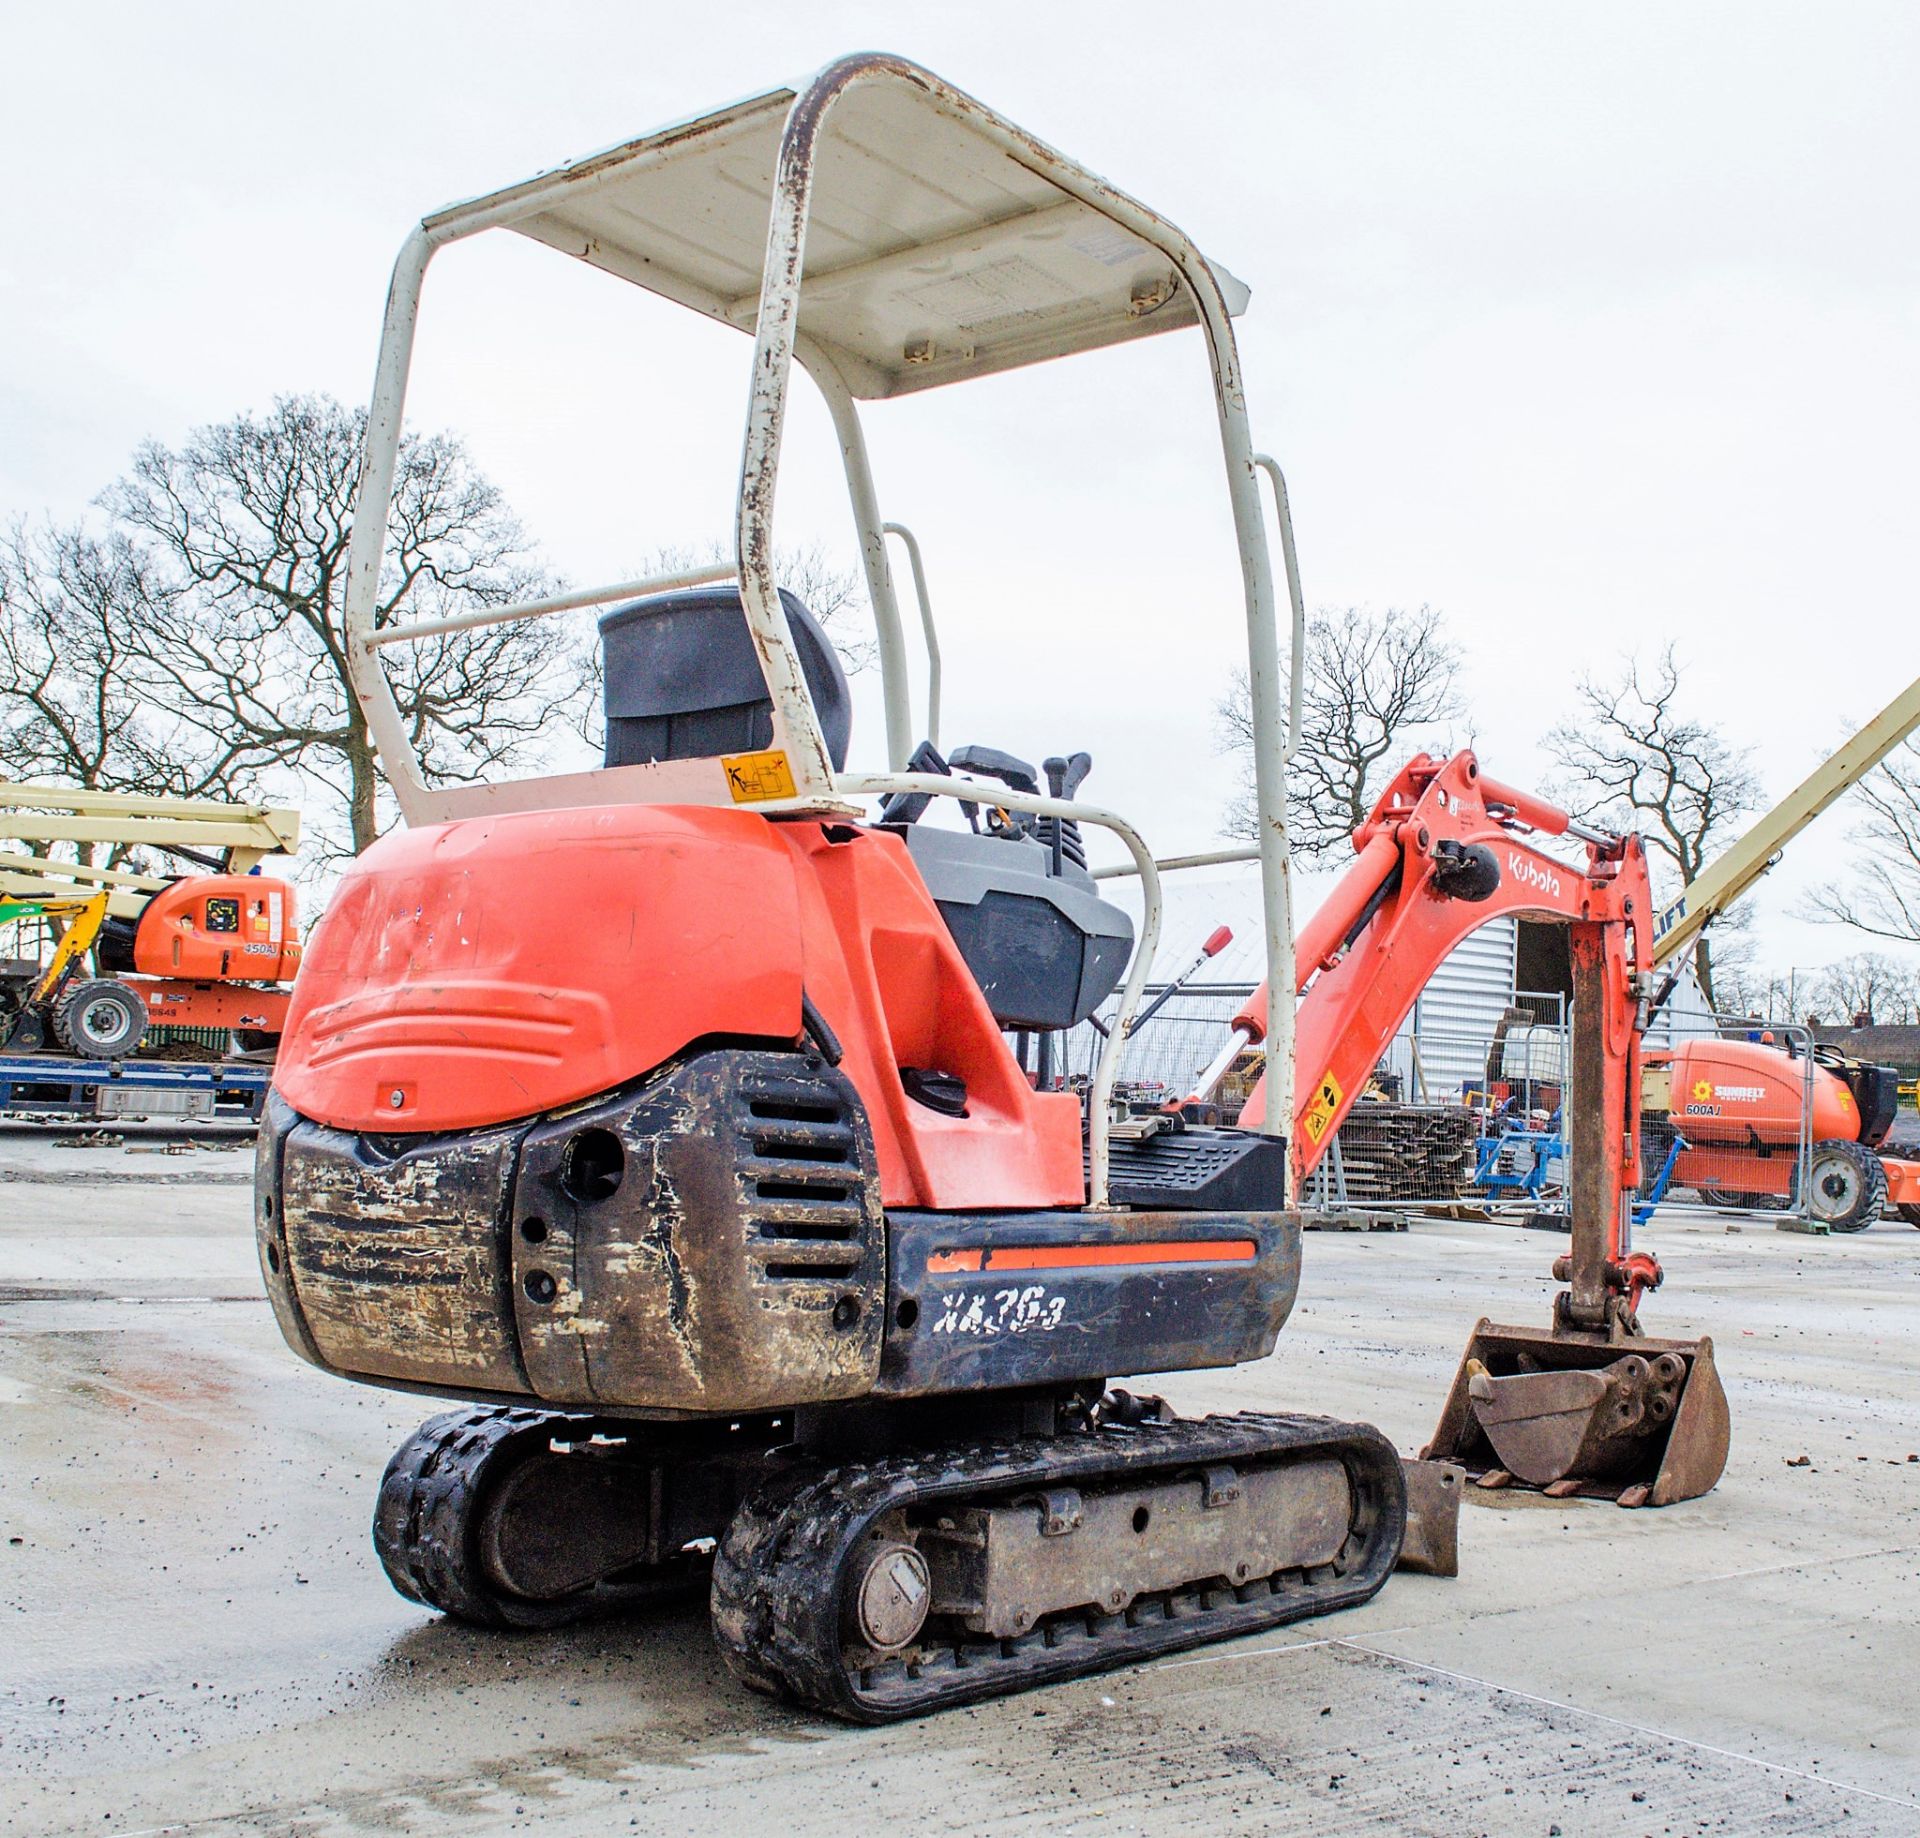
x=886 y=1589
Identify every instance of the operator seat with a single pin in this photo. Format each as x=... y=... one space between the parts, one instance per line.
x=683 y=680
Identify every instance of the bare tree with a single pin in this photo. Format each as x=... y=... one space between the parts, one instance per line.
x=200 y=647
x=1883 y=899
x=240 y=630
x=73 y=705
x=1635 y=761
x=1884 y=990
x=1374 y=686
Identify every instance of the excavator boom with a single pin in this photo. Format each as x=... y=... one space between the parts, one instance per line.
x=1445 y=851
x=1591 y=1405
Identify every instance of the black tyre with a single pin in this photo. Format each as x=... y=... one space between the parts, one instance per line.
x=100 y=1019
x=1909 y=1213
x=1847 y=1185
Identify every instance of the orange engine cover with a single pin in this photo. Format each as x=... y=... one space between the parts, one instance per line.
x=228 y=928
x=473 y=973
x=1722 y=1089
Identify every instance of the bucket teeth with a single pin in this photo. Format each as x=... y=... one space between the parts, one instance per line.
x=1547 y=1426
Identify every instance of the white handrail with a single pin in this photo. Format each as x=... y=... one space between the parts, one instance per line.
x=1168 y=864
x=991 y=791
x=1283 y=511
x=555 y=603
x=932 y=637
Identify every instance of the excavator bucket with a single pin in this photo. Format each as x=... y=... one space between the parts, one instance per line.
x=1636 y=1420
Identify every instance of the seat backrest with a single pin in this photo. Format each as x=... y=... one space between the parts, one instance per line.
x=683 y=680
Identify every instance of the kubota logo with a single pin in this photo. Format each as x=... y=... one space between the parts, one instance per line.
x=1525 y=869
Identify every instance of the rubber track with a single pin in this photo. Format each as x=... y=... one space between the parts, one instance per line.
x=780 y=1576
x=431 y=1494
x=423 y=1523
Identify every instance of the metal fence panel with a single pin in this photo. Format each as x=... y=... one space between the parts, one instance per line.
x=1729 y=1136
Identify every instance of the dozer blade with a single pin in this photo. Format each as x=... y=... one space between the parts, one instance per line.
x=1640 y=1421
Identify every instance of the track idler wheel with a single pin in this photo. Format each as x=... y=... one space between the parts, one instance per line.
x=513 y=1518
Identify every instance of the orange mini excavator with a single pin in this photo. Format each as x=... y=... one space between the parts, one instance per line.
x=1593 y=1405
x=666 y=1112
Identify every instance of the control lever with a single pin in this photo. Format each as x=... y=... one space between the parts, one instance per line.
x=1062 y=834
x=1066 y=776
x=911 y=806
x=1217 y=941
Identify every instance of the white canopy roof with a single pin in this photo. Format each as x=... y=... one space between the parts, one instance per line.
x=933 y=252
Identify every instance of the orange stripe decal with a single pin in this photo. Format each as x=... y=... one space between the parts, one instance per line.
x=1093 y=1256
x=946 y=1263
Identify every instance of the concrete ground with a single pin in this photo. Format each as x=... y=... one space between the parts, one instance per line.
x=195 y=1637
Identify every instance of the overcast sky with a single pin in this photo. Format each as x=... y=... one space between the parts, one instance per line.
x=1594 y=326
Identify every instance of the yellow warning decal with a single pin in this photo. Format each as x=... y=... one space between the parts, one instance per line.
x=753 y=778
x=1318 y=1116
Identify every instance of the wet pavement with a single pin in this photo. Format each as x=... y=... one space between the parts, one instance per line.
x=195 y=1636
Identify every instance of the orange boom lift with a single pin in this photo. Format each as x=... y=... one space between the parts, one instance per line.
x=213 y=950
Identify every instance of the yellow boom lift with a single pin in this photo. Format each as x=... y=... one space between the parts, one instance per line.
x=213 y=949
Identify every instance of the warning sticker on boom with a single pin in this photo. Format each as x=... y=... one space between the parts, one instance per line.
x=753 y=778
x=1318 y=1115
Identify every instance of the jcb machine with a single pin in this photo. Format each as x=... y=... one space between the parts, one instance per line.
x=208 y=950
x=1592 y=1405
x=666 y=1111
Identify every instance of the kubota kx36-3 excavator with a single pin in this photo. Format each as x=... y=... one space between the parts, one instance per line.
x=666 y=1112
x=1593 y=1405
